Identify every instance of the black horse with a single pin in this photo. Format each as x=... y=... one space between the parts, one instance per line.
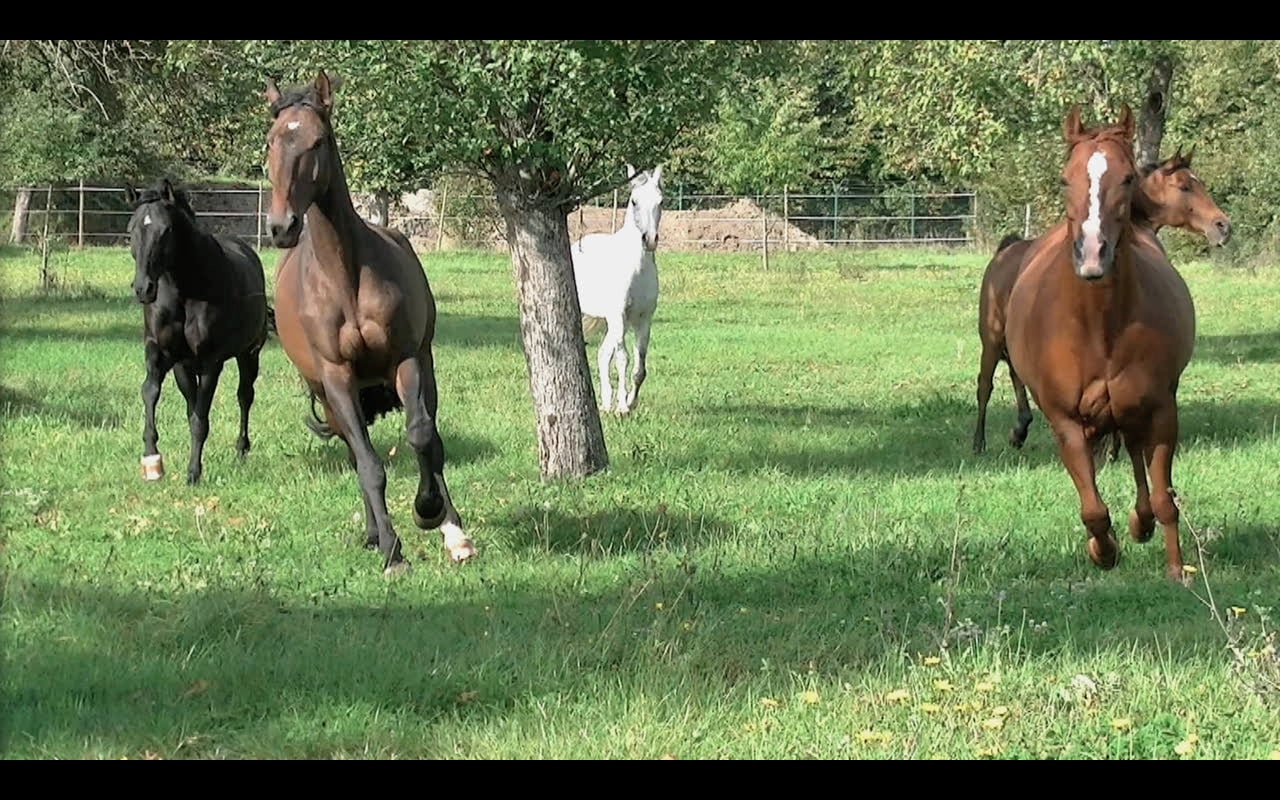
x=204 y=301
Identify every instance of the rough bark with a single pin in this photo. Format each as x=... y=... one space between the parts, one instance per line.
x=1154 y=111
x=21 y=204
x=570 y=437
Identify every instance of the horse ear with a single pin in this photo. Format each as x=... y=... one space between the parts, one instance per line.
x=272 y=92
x=130 y=193
x=324 y=89
x=1126 y=120
x=1072 y=127
x=167 y=192
x=631 y=172
x=1186 y=160
x=657 y=174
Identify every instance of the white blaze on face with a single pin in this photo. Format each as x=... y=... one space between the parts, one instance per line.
x=1092 y=227
x=146 y=219
x=294 y=125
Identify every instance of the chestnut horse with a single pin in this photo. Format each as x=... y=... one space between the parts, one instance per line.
x=1169 y=195
x=355 y=315
x=1100 y=327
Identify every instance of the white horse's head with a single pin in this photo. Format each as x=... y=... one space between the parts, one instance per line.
x=645 y=208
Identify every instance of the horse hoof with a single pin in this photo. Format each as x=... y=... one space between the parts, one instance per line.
x=1106 y=557
x=153 y=467
x=458 y=543
x=397 y=569
x=429 y=523
x=1141 y=530
x=462 y=553
x=193 y=478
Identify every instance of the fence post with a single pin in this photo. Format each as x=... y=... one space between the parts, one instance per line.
x=786 y=222
x=913 y=218
x=764 y=232
x=80 y=218
x=680 y=199
x=835 y=214
x=258 y=226
x=444 y=199
x=613 y=221
x=1026 y=225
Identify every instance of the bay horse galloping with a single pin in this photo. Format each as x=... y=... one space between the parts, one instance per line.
x=204 y=302
x=1169 y=194
x=1100 y=328
x=355 y=315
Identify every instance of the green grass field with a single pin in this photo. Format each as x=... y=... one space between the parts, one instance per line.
x=794 y=554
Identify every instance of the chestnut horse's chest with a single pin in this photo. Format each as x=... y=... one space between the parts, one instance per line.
x=365 y=321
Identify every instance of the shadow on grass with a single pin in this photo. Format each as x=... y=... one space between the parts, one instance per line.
x=229 y=663
x=1248 y=348
x=84 y=408
x=935 y=434
x=477 y=330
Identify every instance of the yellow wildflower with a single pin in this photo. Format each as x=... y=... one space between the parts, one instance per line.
x=930 y=708
x=810 y=697
x=897 y=695
x=932 y=661
x=943 y=686
x=1122 y=723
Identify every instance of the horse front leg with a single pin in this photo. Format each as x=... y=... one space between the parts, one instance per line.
x=604 y=357
x=643 y=326
x=158 y=365
x=1077 y=457
x=248 y=368
x=343 y=400
x=432 y=506
x=206 y=385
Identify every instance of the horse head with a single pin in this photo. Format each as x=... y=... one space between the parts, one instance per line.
x=159 y=216
x=1098 y=183
x=644 y=210
x=1173 y=195
x=301 y=154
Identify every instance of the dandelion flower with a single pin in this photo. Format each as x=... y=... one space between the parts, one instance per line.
x=869 y=736
x=930 y=708
x=769 y=702
x=659 y=606
x=897 y=695
x=1237 y=610
x=943 y=686
x=985 y=686
x=932 y=661
x=1000 y=711
x=810 y=697
x=1122 y=723
x=1184 y=747
x=995 y=723
x=1190 y=570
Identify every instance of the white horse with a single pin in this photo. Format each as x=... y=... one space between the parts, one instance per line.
x=617 y=279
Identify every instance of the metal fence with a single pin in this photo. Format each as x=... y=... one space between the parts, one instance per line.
x=85 y=215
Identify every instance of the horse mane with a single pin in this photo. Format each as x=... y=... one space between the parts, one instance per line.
x=1012 y=238
x=153 y=194
x=303 y=95
x=1115 y=133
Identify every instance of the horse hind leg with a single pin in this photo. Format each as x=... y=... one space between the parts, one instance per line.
x=986 y=374
x=1018 y=436
x=1161 y=446
x=643 y=327
x=248 y=367
x=432 y=505
x=1142 y=521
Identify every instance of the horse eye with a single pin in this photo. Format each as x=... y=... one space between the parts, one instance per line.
x=1128 y=181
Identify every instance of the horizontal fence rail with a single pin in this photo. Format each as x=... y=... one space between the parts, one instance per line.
x=85 y=215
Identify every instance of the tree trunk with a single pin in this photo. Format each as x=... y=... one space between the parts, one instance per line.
x=20 y=206
x=1154 y=110
x=570 y=437
x=382 y=208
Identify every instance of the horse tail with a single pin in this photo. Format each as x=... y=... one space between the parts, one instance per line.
x=591 y=324
x=1012 y=238
x=1106 y=448
x=375 y=402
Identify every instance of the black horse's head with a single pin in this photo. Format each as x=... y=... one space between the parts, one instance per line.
x=161 y=215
